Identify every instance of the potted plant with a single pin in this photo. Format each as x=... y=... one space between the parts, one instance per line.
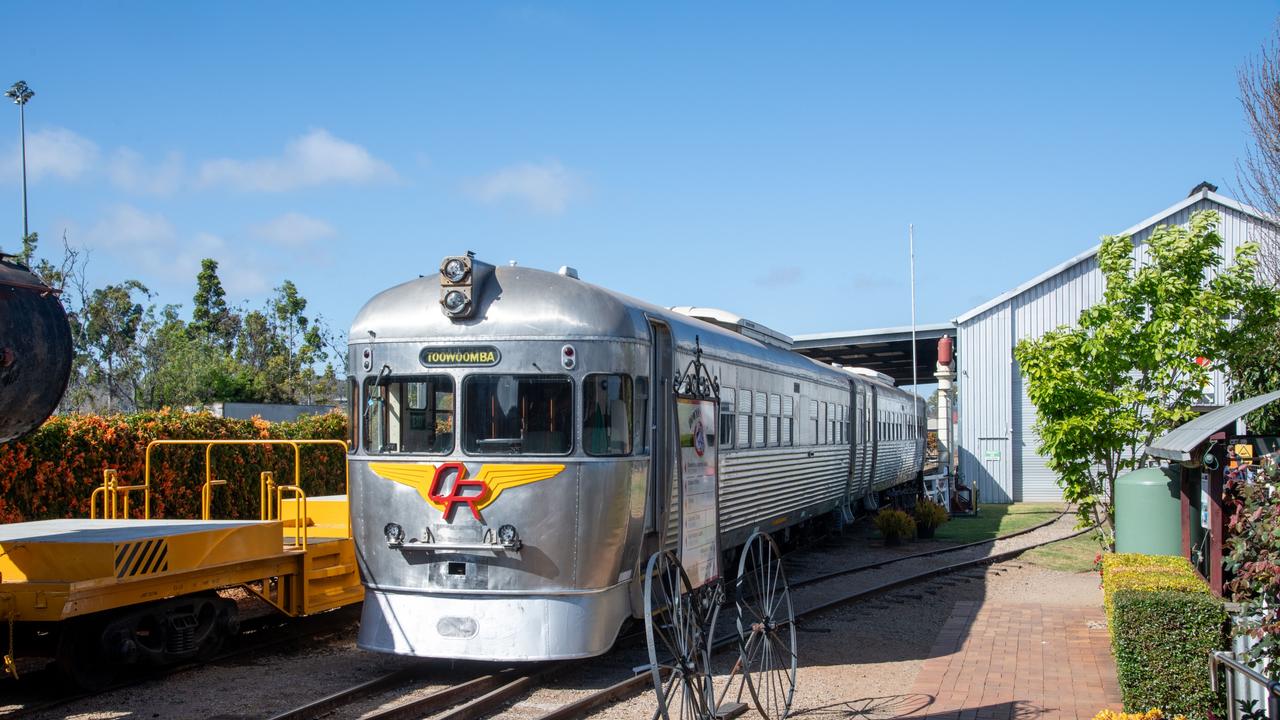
x=895 y=525
x=928 y=516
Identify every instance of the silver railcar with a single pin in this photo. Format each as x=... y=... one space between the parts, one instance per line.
x=513 y=457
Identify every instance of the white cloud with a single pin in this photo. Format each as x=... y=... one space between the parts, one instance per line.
x=129 y=171
x=784 y=275
x=545 y=188
x=293 y=230
x=52 y=152
x=316 y=158
x=127 y=227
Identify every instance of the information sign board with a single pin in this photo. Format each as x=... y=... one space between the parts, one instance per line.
x=699 y=526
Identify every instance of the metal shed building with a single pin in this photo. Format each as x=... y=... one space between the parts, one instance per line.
x=997 y=438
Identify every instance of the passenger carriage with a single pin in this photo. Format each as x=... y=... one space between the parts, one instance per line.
x=514 y=456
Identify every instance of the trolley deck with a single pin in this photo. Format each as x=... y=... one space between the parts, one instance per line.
x=53 y=570
x=120 y=577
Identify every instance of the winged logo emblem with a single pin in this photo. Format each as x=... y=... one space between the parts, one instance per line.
x=446 y=485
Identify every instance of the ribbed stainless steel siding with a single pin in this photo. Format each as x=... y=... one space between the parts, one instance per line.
x=992 y=392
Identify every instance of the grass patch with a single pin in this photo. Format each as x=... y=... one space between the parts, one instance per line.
x=995 y=520
x=1075 y=555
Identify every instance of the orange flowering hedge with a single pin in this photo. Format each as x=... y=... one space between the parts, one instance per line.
x=52 y=472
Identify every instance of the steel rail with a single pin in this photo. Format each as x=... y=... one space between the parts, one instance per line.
x=291 y=631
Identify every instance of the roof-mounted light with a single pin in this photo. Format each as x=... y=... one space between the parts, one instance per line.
x=455 y=269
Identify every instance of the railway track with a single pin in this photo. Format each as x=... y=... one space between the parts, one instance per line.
x=482 y=695
x=256 y=636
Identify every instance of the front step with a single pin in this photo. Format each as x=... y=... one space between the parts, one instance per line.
x=332 y=578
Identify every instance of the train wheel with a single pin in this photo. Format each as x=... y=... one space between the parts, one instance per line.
x=766 y=627
x=679 y=650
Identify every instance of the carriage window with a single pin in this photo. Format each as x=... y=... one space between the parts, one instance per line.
x=758 y=418
x=641 y=410
x=517 y=414
x=408 y=415
x=727 y=397
x=788 y=410
x=813 y=415
x=744 y=418
x=775 y=420
x=606 y=415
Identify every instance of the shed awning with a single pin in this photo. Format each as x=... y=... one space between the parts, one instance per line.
x=1178 y=443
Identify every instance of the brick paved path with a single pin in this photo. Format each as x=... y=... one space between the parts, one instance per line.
x=1024 y=662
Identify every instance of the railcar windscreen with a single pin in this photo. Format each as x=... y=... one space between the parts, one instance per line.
x=606 y=413
x=517 y=415
x=409 y=415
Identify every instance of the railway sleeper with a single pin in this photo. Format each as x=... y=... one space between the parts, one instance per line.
x=92 y=651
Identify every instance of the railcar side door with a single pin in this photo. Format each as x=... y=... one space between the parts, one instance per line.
x=662 y=462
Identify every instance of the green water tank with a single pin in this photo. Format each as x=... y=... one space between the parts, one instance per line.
x=1149 y=512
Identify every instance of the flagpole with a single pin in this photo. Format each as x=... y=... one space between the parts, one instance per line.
x=911 y=242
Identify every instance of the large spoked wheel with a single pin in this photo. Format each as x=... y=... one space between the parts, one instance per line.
x=766 y=627
x=679 y=650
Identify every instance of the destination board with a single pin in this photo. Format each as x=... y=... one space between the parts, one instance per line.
x=462 y=356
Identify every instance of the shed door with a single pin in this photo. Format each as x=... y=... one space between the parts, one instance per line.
x=1039 y=483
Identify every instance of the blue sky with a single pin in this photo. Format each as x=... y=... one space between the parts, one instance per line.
x=766 y=159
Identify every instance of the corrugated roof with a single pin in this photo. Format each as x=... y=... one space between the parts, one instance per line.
x=1190 y=200
x=1178 y=443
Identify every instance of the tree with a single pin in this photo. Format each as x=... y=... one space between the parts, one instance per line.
x=113 y=319
x=210 y=316
x=1254 y=364
x=1128 y=372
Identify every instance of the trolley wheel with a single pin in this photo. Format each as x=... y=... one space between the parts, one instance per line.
x=766 y=627
x=679 y=646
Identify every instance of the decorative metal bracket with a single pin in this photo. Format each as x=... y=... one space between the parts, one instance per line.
x=696 y=380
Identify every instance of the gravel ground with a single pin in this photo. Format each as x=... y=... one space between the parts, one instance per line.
x=860 y=655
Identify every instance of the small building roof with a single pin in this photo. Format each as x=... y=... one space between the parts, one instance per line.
x=884 y=350
x=1202 y=192
x=1178 y=443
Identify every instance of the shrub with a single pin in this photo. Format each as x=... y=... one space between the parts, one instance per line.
x=1164 y=623
x=895 y=525
x=929 y=514
x=52 y=472
x=1152 y=714
x=1253 y=557
x=1134 y=571
x=1162 y=640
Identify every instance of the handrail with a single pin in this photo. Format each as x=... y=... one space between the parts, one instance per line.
x=210 y=483
x=299 y=511
x=111 y=491
x=266 y=494
x=1228 y=660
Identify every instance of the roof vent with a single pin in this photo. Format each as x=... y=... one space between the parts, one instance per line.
x=738 y=324
x=567 y=271
x=1206 y=185
x=869 y=373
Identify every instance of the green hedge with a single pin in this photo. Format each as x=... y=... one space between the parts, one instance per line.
x=1164 y=624
x=52 y=472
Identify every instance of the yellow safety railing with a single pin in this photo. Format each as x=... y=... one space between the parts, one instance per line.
x=115 y=497
x=266 y=480
x=267 y=496
x=299 y=512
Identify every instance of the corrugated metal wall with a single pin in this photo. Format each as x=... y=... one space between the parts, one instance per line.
x=997 y=434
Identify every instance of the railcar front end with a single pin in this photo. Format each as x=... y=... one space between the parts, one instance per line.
x=497 y=498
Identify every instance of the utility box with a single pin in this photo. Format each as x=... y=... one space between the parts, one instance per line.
x=1149 y=512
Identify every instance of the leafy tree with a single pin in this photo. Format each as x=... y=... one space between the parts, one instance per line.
x=210 y=316
x=113 y=319
x=1128 y=372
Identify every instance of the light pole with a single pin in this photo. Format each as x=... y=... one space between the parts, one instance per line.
x=20 y=94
